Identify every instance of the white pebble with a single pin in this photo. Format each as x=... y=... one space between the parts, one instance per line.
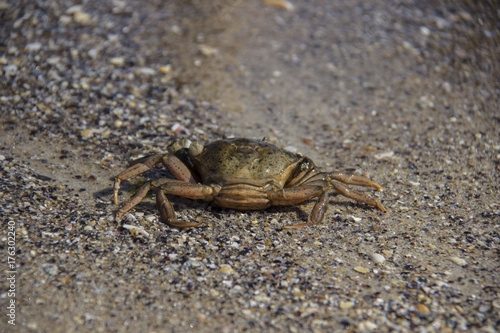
x=207 y=50
x=74 y=9
x=425 y=31
x=117 y=61
x=34 y=47
x=53 y=60
x=377 y=258
x=145 y=71
x=10 y=70
x=388 y=154
x=93 y=53
x=458 y=261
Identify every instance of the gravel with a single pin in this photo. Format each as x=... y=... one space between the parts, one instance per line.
x=404 y=92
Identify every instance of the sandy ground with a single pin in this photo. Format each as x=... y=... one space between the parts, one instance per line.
x=405 y=92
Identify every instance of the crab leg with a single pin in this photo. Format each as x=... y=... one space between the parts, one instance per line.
x=354 y=180
x=134 y=201
x=358 y=196
x=178 y=169
x=317 y=186
x=139 y=166
x=167 y=212
x=317 y=214
x=170 y=186
x=294 y=195
x=183 y=189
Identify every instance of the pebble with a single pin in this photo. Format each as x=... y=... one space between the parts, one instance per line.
x=93 y=53
x=287 y=5
x=144 y=71
x=82 y=17
x=33 y=47
x=2 y=157
x=425 y=31
x=87 y=133
x=346 y=305
x=165 y=69
x=362 y=270
x=376 y=258
x=150 y=218
x=423 y=309
x=226 y=269
x=53 y=60
x=135 y=230
x=50 y=269
x=367 y=326
x=207 y=50
x=10 y=70
x=117 y=61
x=458 y=261
x=387 y=154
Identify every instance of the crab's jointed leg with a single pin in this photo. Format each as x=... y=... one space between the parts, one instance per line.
x=170 y=186
x=178 y=169
x=318 y=186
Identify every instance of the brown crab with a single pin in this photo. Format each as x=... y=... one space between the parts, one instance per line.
x=240 y=174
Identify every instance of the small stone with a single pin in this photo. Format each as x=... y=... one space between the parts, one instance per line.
x=176 y=29
x=87 y=133
x=207 y=50
x=65 y=19
x=93 y=53
x=2 y=157
x=458 y=261
x=50 y=269
x=33 y=47
x=362 y=270
x=346 y=305
x=226 y=269
x=117 y=61
x=377 y=258
x=425 y=31
x=287 y=5
x=53 y=60
x=165 y=69
x=145 y=71
x=82 y=17
x=136 y=231
x=10 y=70
x=484 y=308
x=387 y=154
x=74 y=9
x=422 y=309
x=446 y=87
x=367 y=325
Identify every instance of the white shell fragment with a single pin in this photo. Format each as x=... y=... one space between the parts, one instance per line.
x=458 y=261
x=136 y=231
x=377 y=258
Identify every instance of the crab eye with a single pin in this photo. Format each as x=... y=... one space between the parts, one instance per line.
x=195 y=149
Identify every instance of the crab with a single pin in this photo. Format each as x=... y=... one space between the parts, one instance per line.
x=241 y=174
